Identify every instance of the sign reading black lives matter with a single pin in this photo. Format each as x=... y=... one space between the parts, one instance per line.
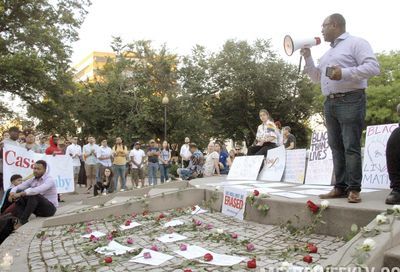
x=320 y=164
x=374 y=165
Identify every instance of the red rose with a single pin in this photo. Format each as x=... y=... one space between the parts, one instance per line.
x=187 y=270
x=252 y=263
x=307 y=259
x=234 y=235
x=208 y=257
x=312 y=206
x=108 y=260
x=193 y=208
x=256 y=192
x=133 y=215
x=128 y=222
x=312 y=248
x=161 y=216
x=144 y=213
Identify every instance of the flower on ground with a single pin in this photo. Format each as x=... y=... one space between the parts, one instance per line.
x=187 y=270
x=128 y=222
x=307 y=259
x=197 y=222
x=161 y=216
x=324 y=204
x=396 y=208
x=312 y=206
x=183 y=247
x=133 y=215
x=234 y=235
x=220 y=231
x=93 y=238
x=110 y=237
x=129 y=241
x=312 y=248
x=147 y=255
x=250 y=247
x=108 y=260
x=209 y=226
x=368 y=245
x=154 y=248
x=381 y=219
x=252 y=263
x=89 y=230
x=208 y=257
x=285 y=266
x=256 y=192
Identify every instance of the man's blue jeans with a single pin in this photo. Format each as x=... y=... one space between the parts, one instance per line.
x=345 y=118
x=153 y=168
x=119 y=171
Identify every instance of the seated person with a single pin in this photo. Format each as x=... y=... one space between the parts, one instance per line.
x=195 y=167
x=105 y=183
x=37 y=195
x=7 y=201
x=266 y=136
x=231 y=158
x=223 y=158
x=211 y=165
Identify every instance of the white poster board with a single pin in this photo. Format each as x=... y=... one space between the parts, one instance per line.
x=274 y=165
x=374 y=166
x=234 y=202
x=245 y=168
x=320 y=164
x=295 y=167
x=18 y=160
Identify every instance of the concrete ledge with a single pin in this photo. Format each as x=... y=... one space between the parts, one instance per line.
x=183 y=198
x=391 y=259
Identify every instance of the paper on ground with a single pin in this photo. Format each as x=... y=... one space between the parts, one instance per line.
x=193 y=252
x=224 y=260
x=157 y=258
x=265 y=190
x=272 y=185
x=289 y=195
x=131 y=225
x=96 y=234
x=173 y=237
x=311 y=192
x=173 y=223
x=113 y=248
x=198 y=210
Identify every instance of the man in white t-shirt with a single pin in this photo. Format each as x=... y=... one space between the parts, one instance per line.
x=212 y=160
x=185 y=153
x=136 y=157
x=75 y=151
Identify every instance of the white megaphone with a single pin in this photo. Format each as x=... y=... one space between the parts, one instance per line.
x=291 y=45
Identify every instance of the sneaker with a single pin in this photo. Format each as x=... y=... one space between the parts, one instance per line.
x=393 y=198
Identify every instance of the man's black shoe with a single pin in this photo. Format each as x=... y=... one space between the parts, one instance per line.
x=393 y=198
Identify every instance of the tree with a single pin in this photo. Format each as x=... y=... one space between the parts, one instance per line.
x=35 y=38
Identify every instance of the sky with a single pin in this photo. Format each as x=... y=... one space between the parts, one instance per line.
x=181 y=24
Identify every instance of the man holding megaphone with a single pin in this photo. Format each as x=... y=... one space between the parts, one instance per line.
x=343 y=72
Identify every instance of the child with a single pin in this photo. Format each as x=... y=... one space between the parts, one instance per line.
x=6 y=202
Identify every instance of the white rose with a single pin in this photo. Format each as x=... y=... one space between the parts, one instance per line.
x=381 y=219
x=285 y=266
x=220 y=231
x=368 y=245
x=114 y=202
x=96 y=207
x=324 y=204
x=396 y=208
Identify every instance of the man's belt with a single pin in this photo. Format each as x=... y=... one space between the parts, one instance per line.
x=338 y=95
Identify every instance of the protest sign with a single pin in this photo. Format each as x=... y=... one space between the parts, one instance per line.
x=295 y=167
x=234 y=202
x=245 y=168
x=274 y=165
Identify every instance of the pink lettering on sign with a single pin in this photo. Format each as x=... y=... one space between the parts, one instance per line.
x=11 y=158
x=374 y=130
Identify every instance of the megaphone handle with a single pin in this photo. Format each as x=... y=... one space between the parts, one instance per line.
x=301 y=57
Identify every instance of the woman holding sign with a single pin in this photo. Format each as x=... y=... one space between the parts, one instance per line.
x=266 y=136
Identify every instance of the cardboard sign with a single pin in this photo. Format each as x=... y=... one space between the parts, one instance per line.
x=374 y=166
x=234 y=202
x=274 y=164
x=245 y=168
x=295 y=167
x=320 y=164
x=18 y=160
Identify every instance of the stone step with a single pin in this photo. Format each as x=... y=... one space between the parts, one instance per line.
x=391 y=257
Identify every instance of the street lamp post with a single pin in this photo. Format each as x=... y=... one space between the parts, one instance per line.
x=165 y=102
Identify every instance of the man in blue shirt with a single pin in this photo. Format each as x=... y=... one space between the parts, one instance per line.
x=343 y=72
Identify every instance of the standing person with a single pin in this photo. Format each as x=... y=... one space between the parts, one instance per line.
x=104 y=184
x=37 y=195
x=266 y=136
x=174 y=153
x=53 y=148
x=165 y=160
x=288 y=139
x=42 y=144
x=185 y=153
x=90 y=157
x=120 y=152
x=393 y=164
x=75 y=152
x=104 y=156
x=153 y=153
x=278 y=131
x=13 y=137
x=211 y=165
x=30 y=143
x=136 y=157
x=343 y=73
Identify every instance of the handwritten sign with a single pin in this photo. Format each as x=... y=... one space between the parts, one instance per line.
x=245 y=168
x=320 y=165
x=295 y=166
x=234 y=202
x=18 y=160
x=374 y=166
x=274 y=164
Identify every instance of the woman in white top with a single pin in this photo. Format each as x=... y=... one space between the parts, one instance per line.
x=266 y=136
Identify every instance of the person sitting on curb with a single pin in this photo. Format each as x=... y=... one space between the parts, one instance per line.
x=37 y=195
x=6 y=202
x=104 y=184
x=195 y=167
